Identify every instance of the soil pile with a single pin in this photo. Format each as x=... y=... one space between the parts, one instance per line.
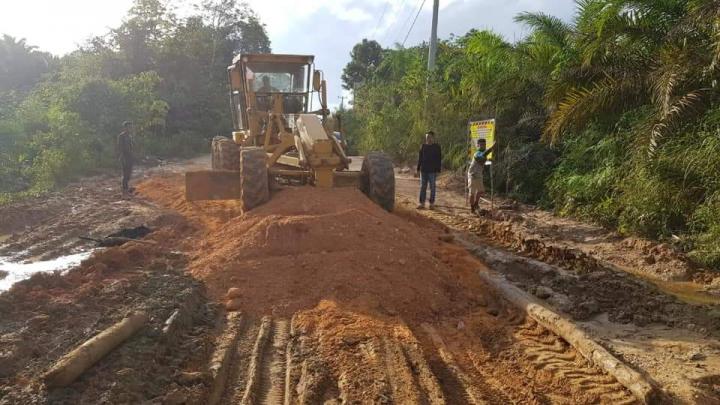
x=369 y=297
x=310 y=244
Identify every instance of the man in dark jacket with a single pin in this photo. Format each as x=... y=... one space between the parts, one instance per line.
x=125 y=155
x=429 y=163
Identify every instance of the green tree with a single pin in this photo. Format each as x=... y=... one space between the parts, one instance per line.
x=365 y=57
x=21 y=65
x=167 y=74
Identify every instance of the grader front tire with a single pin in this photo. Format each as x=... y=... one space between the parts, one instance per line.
x=377 y=179
x=254 y=187
x=225 y=154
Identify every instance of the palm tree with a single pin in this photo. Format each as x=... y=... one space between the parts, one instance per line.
x=21 y=65
x=632 y=53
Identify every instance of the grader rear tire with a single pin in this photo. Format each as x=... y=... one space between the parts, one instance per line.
x=254 y=187
x=377 y=179
x=225 y=154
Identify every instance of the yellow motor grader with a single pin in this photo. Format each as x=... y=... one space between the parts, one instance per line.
x=279 y=138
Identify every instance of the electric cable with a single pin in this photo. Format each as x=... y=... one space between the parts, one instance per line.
x=413 y=23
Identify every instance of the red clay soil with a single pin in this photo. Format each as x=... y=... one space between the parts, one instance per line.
x=309 y=244
x=355 y=279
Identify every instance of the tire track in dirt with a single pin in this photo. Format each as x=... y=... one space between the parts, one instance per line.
x=260 y=365
x=277 y=364
x=548 y=352
x=426 y=380
x=273 y=372
x=254 y=378
x=274 y=365
x=58 y=234
x=411 y=381
x=469 y=391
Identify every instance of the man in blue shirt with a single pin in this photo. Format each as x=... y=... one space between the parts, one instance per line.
x=476 y=188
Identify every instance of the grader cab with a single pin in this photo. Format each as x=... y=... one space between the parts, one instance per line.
x=279 y=138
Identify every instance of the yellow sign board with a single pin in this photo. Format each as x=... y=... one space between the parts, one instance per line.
x=482 y=130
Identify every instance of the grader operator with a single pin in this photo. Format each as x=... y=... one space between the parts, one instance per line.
x=280 y=138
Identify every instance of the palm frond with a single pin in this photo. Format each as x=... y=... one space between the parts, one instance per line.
x=551 y=28
x=679 y=111
x=664 y=82
x=581 y=105
x=706 y=14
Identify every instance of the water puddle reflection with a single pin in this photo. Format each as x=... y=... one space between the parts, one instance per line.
x=18 y=271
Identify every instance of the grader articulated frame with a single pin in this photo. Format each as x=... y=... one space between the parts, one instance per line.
x=279 y=138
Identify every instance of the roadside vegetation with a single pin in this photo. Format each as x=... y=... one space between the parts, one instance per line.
x=612 y=117
x=59 y=116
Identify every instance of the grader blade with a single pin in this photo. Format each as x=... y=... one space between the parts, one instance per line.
x=212 y=185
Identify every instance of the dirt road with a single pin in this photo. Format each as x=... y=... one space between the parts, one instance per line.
x=668 y=329
x=343 y=301
x=337 y=300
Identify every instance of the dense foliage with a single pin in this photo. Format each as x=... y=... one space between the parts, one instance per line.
x=59 y=116
x=612 y=117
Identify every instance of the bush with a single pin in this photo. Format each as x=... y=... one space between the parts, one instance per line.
x=704 y=246
x=583 y=183
x=181 y=145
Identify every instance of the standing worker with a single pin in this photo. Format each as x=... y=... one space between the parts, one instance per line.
x=476 y=188
x=429 y=164
x=125 y=155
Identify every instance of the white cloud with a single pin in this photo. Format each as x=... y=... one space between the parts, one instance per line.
x=281 y=16
x=60 y=26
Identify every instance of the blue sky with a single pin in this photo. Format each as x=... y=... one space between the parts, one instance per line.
x=325 y=28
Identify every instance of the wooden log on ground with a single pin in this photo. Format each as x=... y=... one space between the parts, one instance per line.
x=222 y=357
x=73 y=364
x=591 y=350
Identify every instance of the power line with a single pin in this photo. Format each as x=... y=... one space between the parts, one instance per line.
x=387 y=3
x=407 y=20
x=400 y=10
x=413 y=23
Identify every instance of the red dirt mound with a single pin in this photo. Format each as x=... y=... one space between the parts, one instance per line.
x=307 y=245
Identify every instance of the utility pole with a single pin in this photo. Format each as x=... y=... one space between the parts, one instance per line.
x=433 y=37
x=432 y=54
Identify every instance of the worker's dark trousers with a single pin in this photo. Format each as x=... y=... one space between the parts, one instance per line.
x=425 y=180
x=126 y=174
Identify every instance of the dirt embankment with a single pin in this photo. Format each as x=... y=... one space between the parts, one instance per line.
x=581 y=280
x=596 y=246
x=350 y=296
x=667 y=329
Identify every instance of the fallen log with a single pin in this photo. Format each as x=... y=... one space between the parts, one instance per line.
x=73 y=364
x=218 y=370
x=591 y=350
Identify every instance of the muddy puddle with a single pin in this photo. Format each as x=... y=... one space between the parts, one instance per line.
x=687 y=291
x=18 y=271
